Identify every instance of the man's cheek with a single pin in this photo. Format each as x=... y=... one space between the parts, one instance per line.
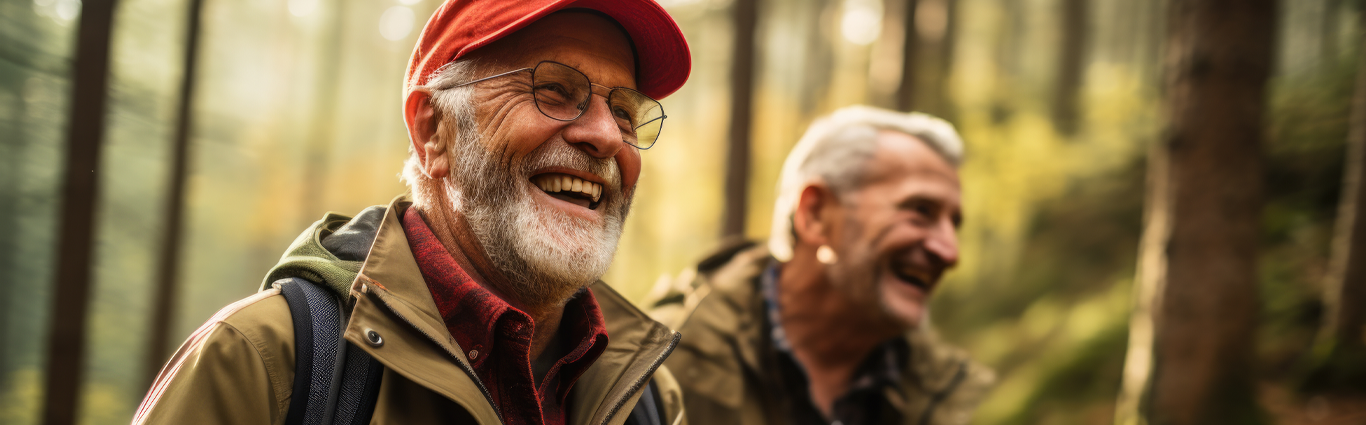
x=628 y=161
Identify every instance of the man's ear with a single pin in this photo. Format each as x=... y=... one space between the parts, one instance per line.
x=813 y=212
x=422 y=123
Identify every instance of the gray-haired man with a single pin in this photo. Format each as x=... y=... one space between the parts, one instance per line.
x=827 y=323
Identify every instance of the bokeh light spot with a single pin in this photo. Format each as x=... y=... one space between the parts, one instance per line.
x=302 y=8
x=396 y=23
x=862 y=22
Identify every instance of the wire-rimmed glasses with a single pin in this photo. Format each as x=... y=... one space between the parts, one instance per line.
x=562 y=93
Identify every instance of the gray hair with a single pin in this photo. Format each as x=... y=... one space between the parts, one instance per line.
x=448 y=103
x=834 y=150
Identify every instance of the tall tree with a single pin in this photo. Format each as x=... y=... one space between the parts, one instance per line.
x=323 y=134
x=942 y=104
x=1342 y=341
x=1328 y=35
x=818 y=56
x=1071 y=65
x=934 y=27
x=168 y=267
x=12 y=158
x=746 y=19
x=1193 y=331
x=71 y=299
x=910 y=48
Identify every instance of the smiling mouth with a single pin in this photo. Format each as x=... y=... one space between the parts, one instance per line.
x=570 y=189
x=907 y=274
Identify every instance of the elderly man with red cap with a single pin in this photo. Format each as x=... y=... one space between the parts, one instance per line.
x=475 y=298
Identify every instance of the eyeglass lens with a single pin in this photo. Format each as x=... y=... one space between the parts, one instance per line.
x=563 y=93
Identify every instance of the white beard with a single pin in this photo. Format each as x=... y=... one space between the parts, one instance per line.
x=545 y=254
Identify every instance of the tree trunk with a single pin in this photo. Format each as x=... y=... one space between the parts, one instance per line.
x=163 y=302
x=819 y=62
x=905 y=93
x=746 y=15
x=943 y=101
x=323 y=133
x=1343 y=337
x=934 y=26
x=1328 y=36
x=1198 y=261
x=10 y=190
x=71 y=299
x=1071 y=65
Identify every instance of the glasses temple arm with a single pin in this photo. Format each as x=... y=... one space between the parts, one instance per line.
x=650 y=121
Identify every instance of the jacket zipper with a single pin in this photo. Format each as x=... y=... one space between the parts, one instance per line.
x=635 y=386
x=465 y=367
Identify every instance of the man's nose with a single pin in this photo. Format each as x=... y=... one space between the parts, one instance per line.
x=942 y=243
x=595 y=131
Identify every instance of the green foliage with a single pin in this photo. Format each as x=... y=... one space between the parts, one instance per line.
x=1049 y=245
x=1305 y=150
x=33 y=105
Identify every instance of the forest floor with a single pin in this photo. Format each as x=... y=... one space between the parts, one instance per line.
x=1289 y=408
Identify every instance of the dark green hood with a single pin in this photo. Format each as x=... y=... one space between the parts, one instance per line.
x=330 y=252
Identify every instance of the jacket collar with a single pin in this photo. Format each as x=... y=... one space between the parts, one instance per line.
x=393 y=301
x=734 y=306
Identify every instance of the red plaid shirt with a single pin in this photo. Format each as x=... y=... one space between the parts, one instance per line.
x=496 y=336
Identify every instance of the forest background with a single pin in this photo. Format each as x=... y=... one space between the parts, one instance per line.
x=297 y=112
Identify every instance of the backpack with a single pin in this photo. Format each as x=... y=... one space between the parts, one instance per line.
x=342 y=381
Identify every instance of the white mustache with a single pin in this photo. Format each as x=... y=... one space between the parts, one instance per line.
x=557 y=153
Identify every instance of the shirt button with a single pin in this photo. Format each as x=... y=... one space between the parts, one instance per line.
x=373 y=338
x=474 y=354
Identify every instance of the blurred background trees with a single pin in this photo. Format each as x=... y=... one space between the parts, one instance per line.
x=1062 y=103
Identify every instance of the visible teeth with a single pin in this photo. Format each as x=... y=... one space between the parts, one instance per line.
x=562 y=183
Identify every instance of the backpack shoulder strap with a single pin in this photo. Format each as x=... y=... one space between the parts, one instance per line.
x=334 y=382
x=359 y=388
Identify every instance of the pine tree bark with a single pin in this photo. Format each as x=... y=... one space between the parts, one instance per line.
x=1343 y=338
x=323 y=124
x=746 y=19
x=80 y=190
x=1071 y=65
x=910 y=48
x=1328 y=35
x=1198 y=261
x=934 y=55
x=168 y=267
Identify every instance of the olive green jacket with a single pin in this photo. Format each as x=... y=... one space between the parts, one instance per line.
x=238 y=368
x=719 y=306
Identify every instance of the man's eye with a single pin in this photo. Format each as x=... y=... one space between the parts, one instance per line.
x=555 y=90
x=921 y=210
x=623 y=114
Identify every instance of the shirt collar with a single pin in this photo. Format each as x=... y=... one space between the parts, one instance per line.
x=472 y=313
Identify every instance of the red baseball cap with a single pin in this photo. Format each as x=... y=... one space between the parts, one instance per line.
x=460 y=27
